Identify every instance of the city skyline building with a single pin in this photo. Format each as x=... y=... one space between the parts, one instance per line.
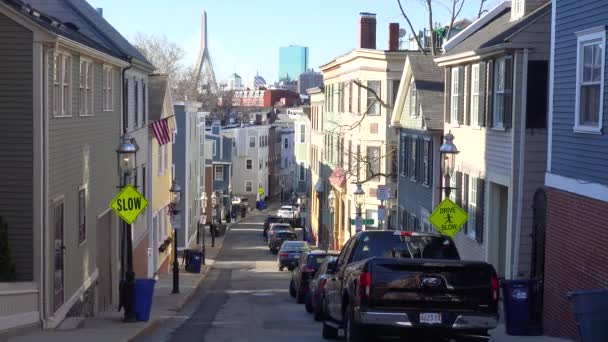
x=293 y=60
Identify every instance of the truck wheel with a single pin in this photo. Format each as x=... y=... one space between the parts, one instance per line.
x=292 y=289
x=329 y=332
x=354 y=332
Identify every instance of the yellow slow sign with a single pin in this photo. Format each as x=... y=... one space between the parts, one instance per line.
x=129 y=203
x=448 y=218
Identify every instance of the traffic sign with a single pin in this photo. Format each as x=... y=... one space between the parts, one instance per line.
x=381 y=212
x=129 y=203
x=260 y=191
x=384 y=193
x=448 y=218
x=367 y=222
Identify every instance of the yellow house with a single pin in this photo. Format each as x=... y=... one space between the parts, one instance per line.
x=317 y=99
x=160 y=232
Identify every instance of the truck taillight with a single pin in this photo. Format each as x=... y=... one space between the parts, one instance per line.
x=284 y=255
x=307 y=269
x=495 y=288
x=323 y=283
x=365 y=284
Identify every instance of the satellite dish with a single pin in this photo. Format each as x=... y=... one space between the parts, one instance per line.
x=402 y=33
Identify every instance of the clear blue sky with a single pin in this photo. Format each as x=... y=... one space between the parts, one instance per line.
x=245 y=35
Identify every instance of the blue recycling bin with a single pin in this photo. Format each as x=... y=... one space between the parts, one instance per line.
x=195 y=260
x=517 y=304
x=144 y=292
x=591 y=312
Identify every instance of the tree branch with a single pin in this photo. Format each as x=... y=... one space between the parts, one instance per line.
x=420 y=47
x=481 y=10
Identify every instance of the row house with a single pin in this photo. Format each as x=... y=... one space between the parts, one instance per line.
x=317 y=233
x=286 y=163
x=496 y=107
x=418 y=117
x=62 y=116
x=273 y=191
x=360 y=88
x=219 y=152
x=576 y=179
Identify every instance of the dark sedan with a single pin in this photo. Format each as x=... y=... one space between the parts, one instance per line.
x=315 y=296
x=290 y=253
x=307 y=266
x=277 y=239
x=273 y=219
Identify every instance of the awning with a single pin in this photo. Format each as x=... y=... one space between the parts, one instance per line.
x=338 y=178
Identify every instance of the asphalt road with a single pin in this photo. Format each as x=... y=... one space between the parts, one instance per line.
x=244 y=298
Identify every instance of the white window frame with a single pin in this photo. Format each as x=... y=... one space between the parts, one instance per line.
x=413 y=158
x=518 y=8
x=413 y=99
x=302 y=134
x=108 y=85
x=585 y=38
x=426 y=162
x=498 y=118
x=455 y=96
x=475 y=93
x=62 y=84
x=472 y=209
x=85 y=92
x=214 y=147
x=249 y=161
x=215 y=172
x=250 y=183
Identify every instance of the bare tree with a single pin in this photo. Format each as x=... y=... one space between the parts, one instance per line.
x=411 y=28
x=455 y=12
x=165 y=55
x=481 y=9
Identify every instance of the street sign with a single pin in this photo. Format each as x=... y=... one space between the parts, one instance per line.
x=129 y=203
x=176 y=221
x=260 y=191
x=381 y=212
x=384 y=192
x=367 y=222
x=448 y=218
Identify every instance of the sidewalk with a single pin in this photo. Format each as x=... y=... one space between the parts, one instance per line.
x=499 y=335
x=108 y=326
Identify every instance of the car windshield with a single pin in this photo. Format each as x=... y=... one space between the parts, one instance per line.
x=315 y=260
x=286 y=235
x=294 y=246
x=281 y=227
x=400 y=245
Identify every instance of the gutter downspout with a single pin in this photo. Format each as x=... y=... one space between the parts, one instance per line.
x=125 y=92
x=43 y=237
x=522 y=155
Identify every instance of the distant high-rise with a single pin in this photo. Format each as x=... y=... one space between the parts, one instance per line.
x=309 y=79
x=293 y=60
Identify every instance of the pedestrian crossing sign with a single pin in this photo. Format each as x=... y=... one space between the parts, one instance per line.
x=129 y=203
x=448 y=218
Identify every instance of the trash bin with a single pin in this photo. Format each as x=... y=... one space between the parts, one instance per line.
x=517 y=306
x=591 y=313
x=194 y=264
x=144 y=292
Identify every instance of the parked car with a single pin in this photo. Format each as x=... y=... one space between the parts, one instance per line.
x=307 y=266
x=273 y=219
x=286 y=211
x=412 y=282
x=313 y=302
x=290 y=252
x=277 y=239
x=275 y=227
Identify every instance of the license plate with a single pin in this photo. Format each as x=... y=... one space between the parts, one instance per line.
x=430 y=318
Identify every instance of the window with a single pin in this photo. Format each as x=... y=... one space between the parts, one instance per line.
x=214 y=147
x=413 y=223
x=136 y=95
x=350 y=97
x=455 y=100
x=248 y=186
x=502 y=91
x=471 y=224
x=252 y=141
x=302 y=172
x=396 y=84
x=82 y=215
x=404 y=156
x=475 y=95
x=413 y=100
x=425 y=225
x=218 y=173
x=302 y=134
x=373 y=105
x=372 y=214
x=160 y=160
x=249 y=164
x=86 y=88
x=62 y=97
x=590 y=81
x=285 y=143
x=426 y=158
x=373 y=161
x=108 y=83
x=413 y=160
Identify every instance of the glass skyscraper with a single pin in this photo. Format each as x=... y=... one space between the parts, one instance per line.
x=293 y=60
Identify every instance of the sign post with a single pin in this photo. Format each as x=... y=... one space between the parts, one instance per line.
x=448 y=218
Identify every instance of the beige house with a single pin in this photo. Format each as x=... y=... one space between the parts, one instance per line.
x=316 y=149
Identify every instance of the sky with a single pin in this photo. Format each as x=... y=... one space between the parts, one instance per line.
x=244 y=36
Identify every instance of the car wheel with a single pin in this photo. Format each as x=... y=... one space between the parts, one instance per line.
x=354 y=332
x=329 y=332
x=299 y=296
x=292 y=289
x=308 y=303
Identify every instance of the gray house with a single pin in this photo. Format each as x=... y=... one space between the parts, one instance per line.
x=61 y=117
x=187 y=168
x=418 y=118
x=220 y=156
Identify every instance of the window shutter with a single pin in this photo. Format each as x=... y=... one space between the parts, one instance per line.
x=461 y=86
x=458 y=189
x=508 y=95
x=431 y=173
x=465 y=198
x=480 y=209
x=489 y=92
x=467 y=97
x=448 y=94
x=408 y=151
x=482 y=94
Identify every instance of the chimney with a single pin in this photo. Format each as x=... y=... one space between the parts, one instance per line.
x=393 y=36
x=100 y=11
x=367 y=30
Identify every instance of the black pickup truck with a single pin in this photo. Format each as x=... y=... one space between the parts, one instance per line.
x=413 y=283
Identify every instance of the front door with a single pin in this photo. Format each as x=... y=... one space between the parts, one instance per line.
x=58 y=253
x=104 y=261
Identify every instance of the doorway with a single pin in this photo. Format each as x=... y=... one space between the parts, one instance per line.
x=498 y=207
x=59 y=253
x=104 y=261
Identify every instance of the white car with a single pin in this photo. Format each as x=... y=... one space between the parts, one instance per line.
x=286 y=211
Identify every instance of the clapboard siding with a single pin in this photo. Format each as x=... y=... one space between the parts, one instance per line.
x=16 y=142
x=575 y=155
x=499 y=146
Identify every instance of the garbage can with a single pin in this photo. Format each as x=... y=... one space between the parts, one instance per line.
x=591 y=313
x=194 y=264
x=144 y=292
x=517 y=306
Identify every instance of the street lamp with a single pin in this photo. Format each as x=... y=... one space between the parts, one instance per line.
x=126 y=154
x=359 y=195
x=176 y=195
x=319 y=189
x=331 y=204
x=448 y=153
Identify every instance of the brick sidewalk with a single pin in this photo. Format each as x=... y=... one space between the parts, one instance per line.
x=108 y=326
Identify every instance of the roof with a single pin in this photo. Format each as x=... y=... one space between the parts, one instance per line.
x=497 y=31
x=89 y=23
x=158 y=84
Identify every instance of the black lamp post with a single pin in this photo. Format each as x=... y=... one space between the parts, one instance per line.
x=359 y=195
x=176 y=194
x=126 y=153
x=448 y=153
x=332 y=205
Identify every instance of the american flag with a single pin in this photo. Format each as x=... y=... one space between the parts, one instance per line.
x=161 y=131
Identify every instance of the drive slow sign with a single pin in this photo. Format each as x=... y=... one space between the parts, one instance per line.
x=129 y=203
x=448 y=218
